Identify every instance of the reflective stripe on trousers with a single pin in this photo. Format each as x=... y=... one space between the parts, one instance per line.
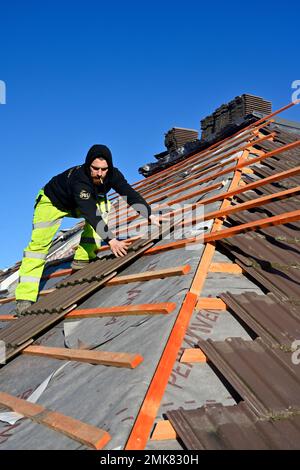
x=32 y=254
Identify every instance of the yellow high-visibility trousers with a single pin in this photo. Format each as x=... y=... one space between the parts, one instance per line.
x=46 y=221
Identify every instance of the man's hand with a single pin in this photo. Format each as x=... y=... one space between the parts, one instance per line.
x=119 y=248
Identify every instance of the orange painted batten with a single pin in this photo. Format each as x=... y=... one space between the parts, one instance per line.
x=149 y=275
x=193 y=355
x=12 y=299
x=62 y=272
x=248 y=171
x=141 y=309
x=144 y=422
x=7 y=317
x=210 y=303
x=163 y=431
x=73 y=428
x=114 y=359
x=230 y=268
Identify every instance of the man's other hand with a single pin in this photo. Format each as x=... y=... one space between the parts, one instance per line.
x=119 y=248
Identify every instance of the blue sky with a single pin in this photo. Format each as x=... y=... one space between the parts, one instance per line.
x=122 y=73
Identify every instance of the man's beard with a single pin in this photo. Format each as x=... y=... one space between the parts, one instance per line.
x=97 y=181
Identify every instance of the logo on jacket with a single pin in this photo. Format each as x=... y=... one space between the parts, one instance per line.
x=84 y=194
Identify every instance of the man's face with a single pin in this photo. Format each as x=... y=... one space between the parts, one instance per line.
x=99 y=169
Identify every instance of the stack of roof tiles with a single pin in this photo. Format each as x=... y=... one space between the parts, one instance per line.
x=225 y=121
x=178 y=136
x=232 y=112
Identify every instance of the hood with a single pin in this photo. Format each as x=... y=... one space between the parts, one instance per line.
x=99 y=151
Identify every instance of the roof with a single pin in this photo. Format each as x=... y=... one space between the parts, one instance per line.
x=187 y=291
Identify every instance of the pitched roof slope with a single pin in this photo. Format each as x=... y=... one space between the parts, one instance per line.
x=151 y=316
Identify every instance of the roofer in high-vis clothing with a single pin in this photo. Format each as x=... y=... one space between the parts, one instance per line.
x=80 y=191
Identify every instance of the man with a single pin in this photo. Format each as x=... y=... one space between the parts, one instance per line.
x=77 y=192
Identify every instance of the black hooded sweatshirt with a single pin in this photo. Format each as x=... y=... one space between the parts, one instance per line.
x=74 y=189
